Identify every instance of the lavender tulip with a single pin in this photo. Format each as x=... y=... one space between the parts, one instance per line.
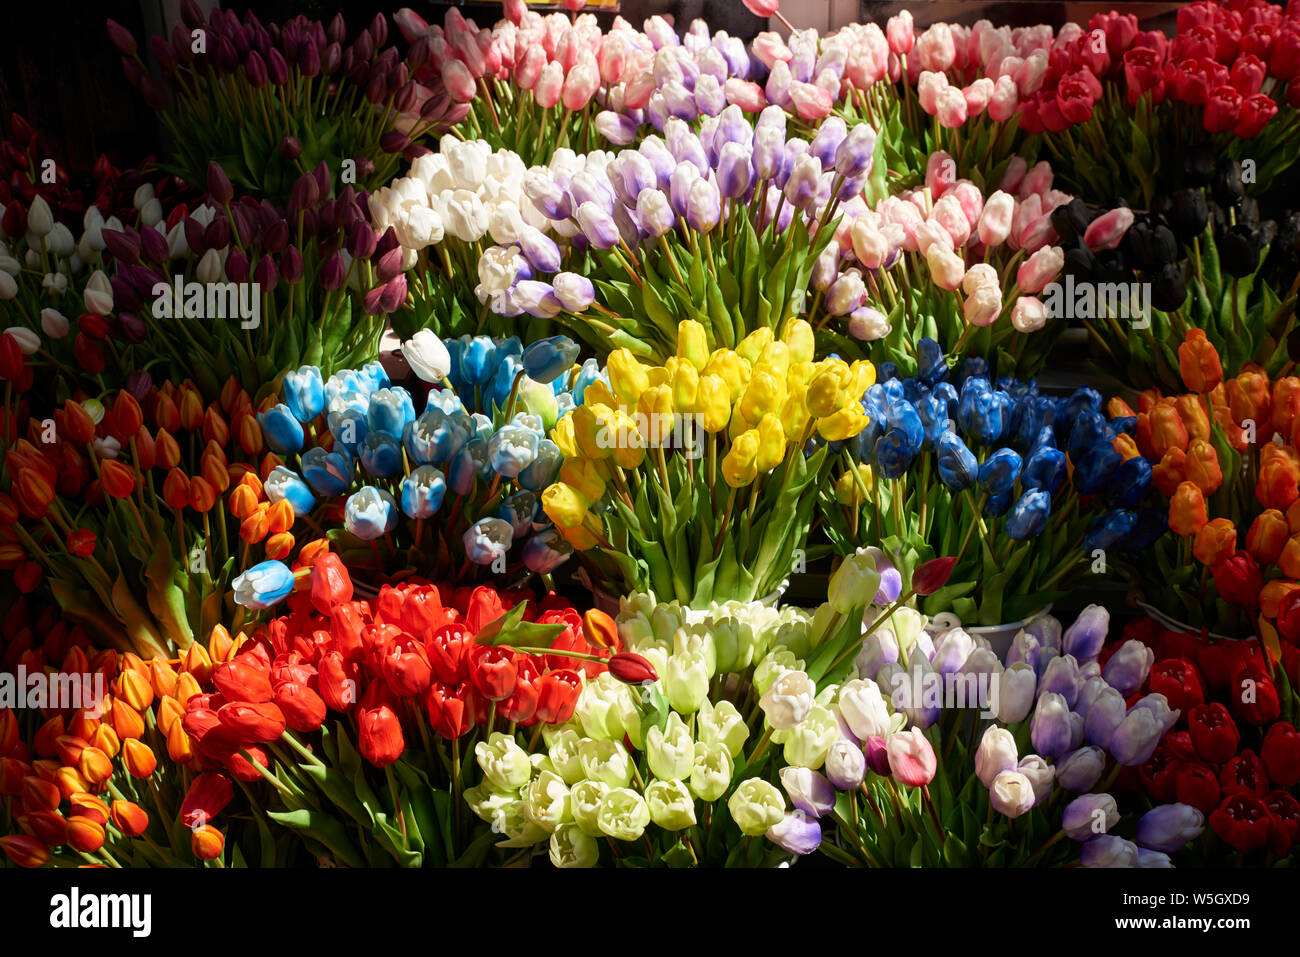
x=1089 y=816
x=656 y=215
x=804 y=183
x=548 y=196
x=1040 y=774
x=688 y=149
x=586 y=187
x=996 y=753
x=952 y=652
x=1150 y=860
x=1104 y=716
x=1016 y=693
x=540 y=249
x=1081 y=769
x=618 y=129
x=636 y=172
x=574 y=292
x=1024 y=648
x=1168 y=827
x=845 y=764
x=796 y=832
x=734 y=171
x=1084 y=638
x=854 y=156
x=1050 y=728
x=597 y=225
x=703 y=206
x=680 y=187
x=809 y=790
x=1061 y=676
x=1089 y=689
x=660 y=158
x=826 y=143
x=1136 y=737
x=1127 y=668
x=710 y=99
x=1109 y=851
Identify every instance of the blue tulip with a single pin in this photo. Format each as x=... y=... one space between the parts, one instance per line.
x=519 y=510
x=1030 y=416
x=285 y=484
x=497 y=392
x=263 y=585
x=913 y=390
x=587 y=374
x=478 y=360
x=886 y=371
x=930 y=364
x=998 y=473
x=348 y=428
x=284 y=435
x=1004 y=383
x=948 y=393
x=374 y=372
x=548 y=359
x=479 y=427
x=892 y=454
x=369 y=513
x=1109 y=529
x=328 y=473
x=1029 y=515
x=420 y=437
x=348 y=389
x=997 y=505
x=423 y=492
x=468 y=464
x=933 y=412
x=1046 y=439
x=1129 y=482
x=902 y=416
x=1126 y=424
x=1094 y=468
x=1150 y=525
x=381 y=455
x=974 y=367
x=545 y=552
x=456 y=353
x=891 y=390
x=545 y=464
x=1089 y=429
x=511 y=450
x=390 y=410
x=487 y=540
x=979 y=412
x=1044 y=469
x=445 y=401
x=957 y=464
x=304 y=393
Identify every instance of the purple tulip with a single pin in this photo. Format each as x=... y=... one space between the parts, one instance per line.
x=825 y=145
x=855 y=154
x=688 y=149
x=679 y=188
x=597 y=225
x=775 y=199
x=1049 y=729
x=548 y=196
x=1089 y=816
x=1085 y=637
x=660 y=158
x=1024 y=647
x=655 y=213
x=1105 y=714
x=132 y=328
x=801 y=66
x=1127 y=668
x=124 y=296
x=291 y=265
x=769 y=151
x=265 y=274
x=703 y=205
x=618 y=129
x=734 y=172
x=677 y=101
x=587 y=188
x=710 y=99
x=1107 y=850
x=809 y=790
x=124 y=246
x=796 y=833
x=877 y=755
x=732 y=127
x=636 y=173
x=1061 y=676
x=332 y=272
x=237 y=266
x=540 y=250
x=536 y=298
x=1081 y=769
x=804 y=183
x=1136 y=737
x=574 y=292
x=1168 y=827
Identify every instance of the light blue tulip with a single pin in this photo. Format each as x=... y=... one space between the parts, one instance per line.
x=423 y=491
x=542 y=470
x=263 y=585
x=348 y=428
x=390 y=410
x=546 y=551
x=370 y=513
x=519 y=510
x=328 y=473
x=304 y=393
x=285 y=484
x=381 y=455
x=488 y=540
x=284 y=435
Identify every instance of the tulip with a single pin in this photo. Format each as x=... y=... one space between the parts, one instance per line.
x=1016 y=692
x=1011 y=793
x=996 y=753
x=263 y=585
x=1089 y=816
x=1168 y=827
x=1106 y=850
x=1079 y=770
x=911 y=758
x=1242 y=822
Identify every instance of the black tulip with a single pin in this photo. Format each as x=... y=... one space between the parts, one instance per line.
x=1228 y=186
x=1112 y=267
x=1239 y=251
x=1198 y=166
x=1071 y=220
x=1188 y=213
x=1079 y=262
x=1168 y=290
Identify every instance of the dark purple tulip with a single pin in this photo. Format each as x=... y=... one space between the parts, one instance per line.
x=194 y=236
x=134 y=74
x=379 y=29
x=181 y=41
x=155 y=94
x=323 y=179
x=291 y=265
x=376 y=85
x=394 y=142
x=245 y=221
x=304 y=194
x=455 y=115
x=332 y=273
x=364 y=47
x=124 y=297
x=138 y=383
x=877 y=755
x=394 y=293
x=359 y=72
x=418 y=55
x=153 y=245
x=242 y=39
x=337 y=30
x=331 y=59
x=389 y=264
x=237 y=266
x=397 y=75
x=406 y=97
x=414 y=151
x=365 y=166
x=121 y=37
x=217 y=235
x=290 y=44
x=386 y=242
x=277 y=69
x=219 y=188
x=317 y=34
x=191 y=14
x=290 y=148
x=276 y=236
x=124 y=245
x=265 y=274
x=310 y=222
x=140 y=279
x=132 y=328
x=162 y=52
x=361 y=241
x=309 y=60
x=372 y=304
x=255 y=68
x=227 y=58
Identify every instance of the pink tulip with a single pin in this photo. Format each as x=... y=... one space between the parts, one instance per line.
x=763 y=8
x=995 y=220
x=928 y=88
x=983 y=307
x=1028 y=212
x=940 y=173
x=1014 y=175
x=638 y=91
x=770 y=48
x=1006 y=65
x=977 y=96
x=931 y=233
x=951 y=108
x=530 y=68
x=1030 y=76
x=611 y=59
x=412 y=25
x=901 y=34
x=1029 y=314
x=936 y=48
x=744 y=94
x=1040 y=269
x=549 y=86
x=515 y=10
x=970 y=199
x=811 y=102
x=869 y=244
x=946 y=267
x=1106 y=231
x=580 y=85
x=979 y=276
x=911 y=758
x=1037 y=180
x=947 y=212
x=1004 y=101
x=458 y=81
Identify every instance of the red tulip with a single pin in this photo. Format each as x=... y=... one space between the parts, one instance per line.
x=207 y=797
x=337 y=681
x=242 y=679
x=422 y=613
x=448 y=650
x=347 y=622
x=557 y=695
x=380 y=738
x=449 y=715
x=1254 y=696
x=1239 y=580
x=1214 y=734
x=1256 y=111
x=1198 y=785
x=1281 y=754
x=1178 y=681
x=492 y=671
x=1222 y=110
x=932 y=575
x=521 y=706
x=211 y=738
x=1242 y=821
x=245 y=770
x=1244 y=774
x=303 y=709
x=1284 y=821
x=406 y=667
x=330 y=584
x=254 y=723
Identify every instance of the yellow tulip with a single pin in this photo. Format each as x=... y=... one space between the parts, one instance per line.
x=828 y=388
x=627 y=377
x=798 y=335
x=692 y=343
x=739 y=424
x=591 y=430
x=794 y=416
x=713 y=402
x=580 y=537
x=564 y=505
x=657 y=375
x=738 y=465
x=656 y=407
x=765 y=393
x=629 y=443
x=848 y=491
x=771 y=443
x=752 y=346
x=585 y=476
x=731 y=369
x=686 y=387
x=598 y=393
x=563 y=435
x=844 y=424
x=775 y=360
x=865 y=378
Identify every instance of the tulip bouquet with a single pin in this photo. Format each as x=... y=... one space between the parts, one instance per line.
x=271 y=103
x=723 y=227
x=694 y=480
x=973 y=470
x=1051 y=734
x=1235 y=755
x=112 y=505
x=239 y=287
x=1214 y=263
x=1220 y=458
x=371 y=473
x=966 y=242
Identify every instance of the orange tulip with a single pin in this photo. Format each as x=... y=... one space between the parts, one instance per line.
x=1267 y=536
x=117 y=478
x=207 y=842
x=1147 y=399
x=138 y=758
x=1170 y=472
x=126 y=720
x=1167 y=430
x=1192 y=411
x=166 y=413
x=134 y=689
x=191 y=406
x=1187 y=511
x=1289 y=560
x=1286 y=403
x=169 y=710
x=279 y=545
x=249 y=431
x=95 y=766
x=84 y=834
x=281 y=517
x=129 y=818
x=1198 y=362
x=202 y=494
x=88 y=805
x=1125 y=446
x=1278 y=484
x=215 y=427
x=25 y=850
x=1249 y=401
x=308 y=554
x=1273 y=594
x=70 y=782
x=186 y=688
x=215 y=473
x=198 y=663
x=1203 y=466
x=180 y=747
x=40 y=795
x=176 y=489
x=106 y=739
x=1117 y=408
